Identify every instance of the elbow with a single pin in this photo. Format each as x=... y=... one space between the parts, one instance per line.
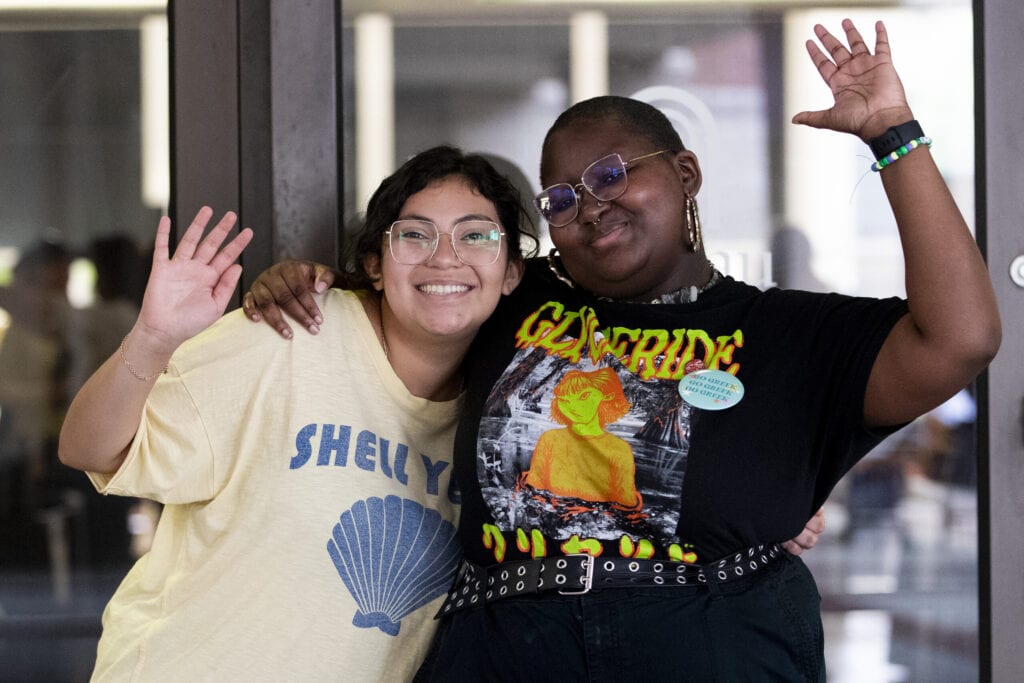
x=83 y=446
x=990 y=334
x=72 y=452
x=988 y=345
x=980 y=348
x=995 y=332
x=66 y=453
x=82 y=460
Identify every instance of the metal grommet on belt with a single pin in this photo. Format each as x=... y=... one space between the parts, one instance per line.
x=580 y=573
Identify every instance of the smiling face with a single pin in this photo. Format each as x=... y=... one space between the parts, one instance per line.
x=635 y=246
x=442 y=297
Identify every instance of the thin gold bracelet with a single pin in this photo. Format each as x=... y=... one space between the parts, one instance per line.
x=131 y=369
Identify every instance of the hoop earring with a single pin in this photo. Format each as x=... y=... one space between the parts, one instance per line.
x=555 y=268
x=692 y=223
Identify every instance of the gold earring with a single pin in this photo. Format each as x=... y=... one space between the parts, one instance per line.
x=555 y=268
x=692 y=223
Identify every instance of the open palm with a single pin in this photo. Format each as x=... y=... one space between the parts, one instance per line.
x=189 y=291
x=865 y=86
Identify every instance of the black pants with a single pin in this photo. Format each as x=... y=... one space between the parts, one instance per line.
x=763 y=628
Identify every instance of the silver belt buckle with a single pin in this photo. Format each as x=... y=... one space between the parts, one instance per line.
x=588 y=578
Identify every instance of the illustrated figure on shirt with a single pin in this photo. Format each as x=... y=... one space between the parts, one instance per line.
x=584 y=460
x=565 y=453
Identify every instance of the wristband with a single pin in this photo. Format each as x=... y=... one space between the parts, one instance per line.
x=900 y=152
x=895 y=137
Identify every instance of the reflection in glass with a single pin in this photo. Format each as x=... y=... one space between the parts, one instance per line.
x=71 y=274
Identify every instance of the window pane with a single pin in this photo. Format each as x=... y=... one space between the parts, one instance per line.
x=74 y=241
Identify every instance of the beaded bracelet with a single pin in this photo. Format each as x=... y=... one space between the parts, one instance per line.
x=900 y=152
x=131 y=368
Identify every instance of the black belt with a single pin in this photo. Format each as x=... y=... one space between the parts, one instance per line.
x=475 y=586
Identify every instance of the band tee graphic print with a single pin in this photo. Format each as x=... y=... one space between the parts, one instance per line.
x=583 y=460
x=573 y=443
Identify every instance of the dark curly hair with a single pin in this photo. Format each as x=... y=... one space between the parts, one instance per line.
x=415 y=174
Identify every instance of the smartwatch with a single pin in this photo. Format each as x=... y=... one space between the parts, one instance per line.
x=895 y=137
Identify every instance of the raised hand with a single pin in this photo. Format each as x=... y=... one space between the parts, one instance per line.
x=869 y=96
x=190 y=290
x=183 y=296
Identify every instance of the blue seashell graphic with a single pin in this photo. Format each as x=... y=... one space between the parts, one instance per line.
x=394 y=556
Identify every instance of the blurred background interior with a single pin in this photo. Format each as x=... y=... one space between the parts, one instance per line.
x=87 y=95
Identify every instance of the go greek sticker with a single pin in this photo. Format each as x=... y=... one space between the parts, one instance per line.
x=711 y=389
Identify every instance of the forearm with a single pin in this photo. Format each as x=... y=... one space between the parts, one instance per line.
x=104 y=416
x=952 y=305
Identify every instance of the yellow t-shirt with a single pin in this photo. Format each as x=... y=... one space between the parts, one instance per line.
x=308 y=533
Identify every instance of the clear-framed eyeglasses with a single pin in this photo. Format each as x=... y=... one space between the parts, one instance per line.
x=475 y=242
x=605 y=180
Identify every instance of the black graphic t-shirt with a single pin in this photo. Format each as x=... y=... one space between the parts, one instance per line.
x=575 y=436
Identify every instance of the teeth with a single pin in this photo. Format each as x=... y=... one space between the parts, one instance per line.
x=443 y=289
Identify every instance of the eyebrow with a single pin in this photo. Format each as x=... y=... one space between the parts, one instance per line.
x=569 y=182
x=467 y=217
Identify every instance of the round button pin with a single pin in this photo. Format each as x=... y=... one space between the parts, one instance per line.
x=711 y=389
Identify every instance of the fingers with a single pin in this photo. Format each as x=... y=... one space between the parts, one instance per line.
x=835 y=48
x=297 y=301
x=207 y=249
x=808 y=538
x=838 y=53
x=814 y=119
x=881 y=40
x=252 y=312
x=805 y=541
x=857 y=45
x=817 y=523
x=259 y=304
x=287 y=288
x=821 y=61
x=226 y=285
x=231 y=251
x=190 y=240
x=163 y=240
x=323 y=277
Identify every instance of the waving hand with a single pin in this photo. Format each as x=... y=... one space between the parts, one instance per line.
x=868 y=93
x=189 y=290
x=952 y=328
x=185 y=293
